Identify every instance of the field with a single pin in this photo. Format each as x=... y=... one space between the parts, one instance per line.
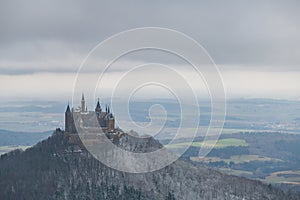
x=289 y=177
x=236 y=159
x=235 y=172
x=222 y=143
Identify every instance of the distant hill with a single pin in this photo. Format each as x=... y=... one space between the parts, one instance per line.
x=52 y=170
x=11 y=138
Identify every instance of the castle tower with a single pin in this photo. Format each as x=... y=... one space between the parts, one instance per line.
x=110 y=122
x=69 y=122
x=83 y=107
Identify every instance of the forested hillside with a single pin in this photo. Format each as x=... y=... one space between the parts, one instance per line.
x=52 y=169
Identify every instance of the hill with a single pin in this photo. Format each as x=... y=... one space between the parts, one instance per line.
x=58 y=169
x=10 y=138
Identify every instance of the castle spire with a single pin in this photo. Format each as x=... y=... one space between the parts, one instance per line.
x=83 y=107
x=98 y=104
x=98 y=107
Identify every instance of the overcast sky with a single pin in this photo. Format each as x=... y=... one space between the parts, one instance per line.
x=254 y=43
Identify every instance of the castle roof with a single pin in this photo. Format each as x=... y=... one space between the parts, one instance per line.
x=68 y=109
x=98 y=104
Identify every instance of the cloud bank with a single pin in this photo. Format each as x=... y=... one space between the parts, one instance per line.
x=254 y=43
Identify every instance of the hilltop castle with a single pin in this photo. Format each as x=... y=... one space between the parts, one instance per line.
x=105 y=119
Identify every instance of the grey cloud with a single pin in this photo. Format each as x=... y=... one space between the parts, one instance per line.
x=57 y=35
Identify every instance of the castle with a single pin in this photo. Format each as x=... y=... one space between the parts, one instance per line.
x=105 y=119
